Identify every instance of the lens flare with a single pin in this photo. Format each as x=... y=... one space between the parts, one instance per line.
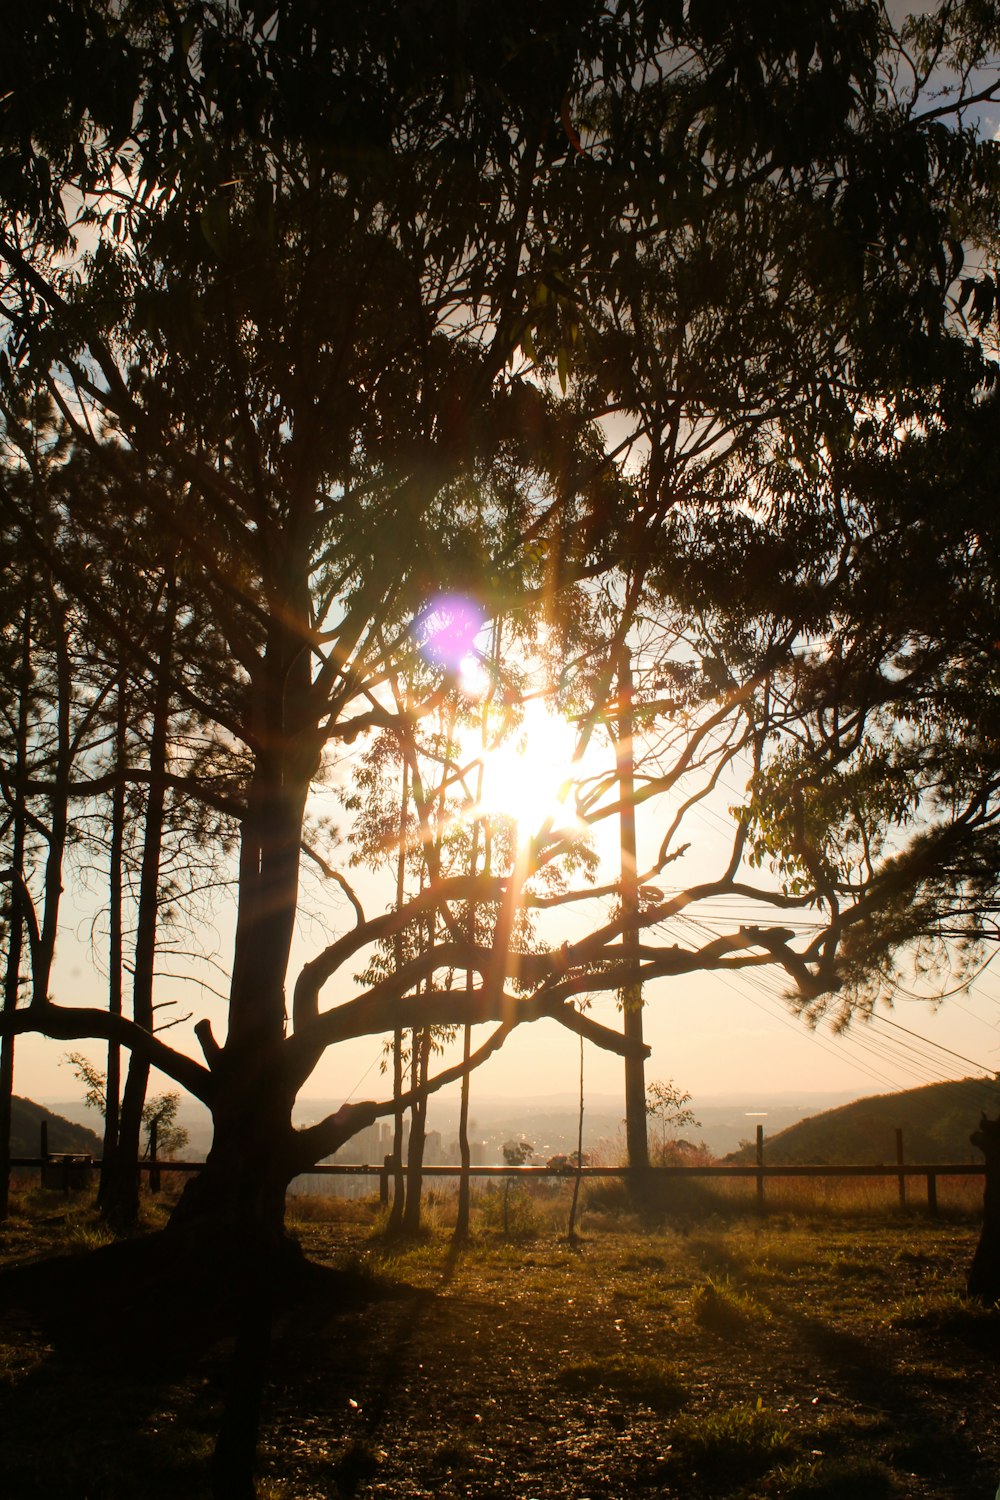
x=446 y=629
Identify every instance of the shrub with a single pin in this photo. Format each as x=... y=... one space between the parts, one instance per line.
x=949 y=1313
x=832 y=1479
x=513 y=1214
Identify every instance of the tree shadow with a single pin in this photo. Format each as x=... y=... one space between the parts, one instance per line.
x=104 y=1343
x=148 y=1358
x=932 y=1440
x=338 y=1370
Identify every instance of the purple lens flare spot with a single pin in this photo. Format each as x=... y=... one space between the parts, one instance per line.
x=445 y=631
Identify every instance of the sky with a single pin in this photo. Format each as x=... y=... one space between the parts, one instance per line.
x=712 y=1034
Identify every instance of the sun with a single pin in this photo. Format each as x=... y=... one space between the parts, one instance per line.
x=524 y=777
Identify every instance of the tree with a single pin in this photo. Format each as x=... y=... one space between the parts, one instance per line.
x=50 y=721
x=160 y=1111
x=349 y=292
x=515 y=1154
x=666 y=1105
x=984 y=1273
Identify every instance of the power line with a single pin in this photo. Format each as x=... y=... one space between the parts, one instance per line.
x=922 y=1072
x=884 y=1021
x=783 y=1020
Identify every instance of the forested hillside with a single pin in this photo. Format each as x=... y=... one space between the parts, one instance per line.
x=63 y=1134
x=936 y=1121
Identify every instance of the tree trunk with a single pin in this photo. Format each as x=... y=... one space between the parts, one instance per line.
x=464 y=1182
x=12 y=973
x=571 y=1231
x=112 y=1089
x=635 y=1072
x=418 y=1131
x=463 y=1214
x=238 y=1198
x=395 y=1222
x=398 y=1180
x=58 y=800
x=122 y=1198
x=984 y=1273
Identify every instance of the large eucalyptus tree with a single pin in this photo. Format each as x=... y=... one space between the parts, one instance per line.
x=385 y=302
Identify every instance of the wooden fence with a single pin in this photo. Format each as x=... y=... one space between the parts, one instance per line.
x=68 y=1170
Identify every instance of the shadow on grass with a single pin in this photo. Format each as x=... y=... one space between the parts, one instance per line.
x=136 y=1369
x=920 y=1435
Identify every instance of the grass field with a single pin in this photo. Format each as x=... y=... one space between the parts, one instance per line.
x=688 y=1354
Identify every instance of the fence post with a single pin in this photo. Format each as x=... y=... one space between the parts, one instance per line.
x=43 y=1141
x=154 y=1171
x=383 y=1182
x=899 y=1163
x=760 y=1166
x=932 y=1194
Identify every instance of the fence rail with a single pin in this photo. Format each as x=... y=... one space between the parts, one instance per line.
x=68 y=1170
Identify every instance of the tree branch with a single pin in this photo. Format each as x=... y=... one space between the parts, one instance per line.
x=326 y=1137
x=314 y=974
x=71 y=1023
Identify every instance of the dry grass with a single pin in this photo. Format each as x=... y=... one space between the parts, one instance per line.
x=607 y=1205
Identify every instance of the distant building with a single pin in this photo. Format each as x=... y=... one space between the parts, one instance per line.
x=367 y=1148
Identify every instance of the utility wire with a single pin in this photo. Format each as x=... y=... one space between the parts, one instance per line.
x=884 y=1021
x=883 y=1052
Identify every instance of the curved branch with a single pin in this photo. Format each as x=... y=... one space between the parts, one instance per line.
x=341 y=880
x=71 y=1023
x=30 y=914
x=371 y=1014
x=314 y=974
x=326 y=1137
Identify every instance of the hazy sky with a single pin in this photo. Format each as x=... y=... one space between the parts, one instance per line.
x=711 y=1033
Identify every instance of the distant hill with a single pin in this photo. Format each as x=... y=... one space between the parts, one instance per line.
x=26 y=1117
x=936 y=1121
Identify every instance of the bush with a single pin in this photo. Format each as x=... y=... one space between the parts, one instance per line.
x=832 y=1479
x=509 y=1212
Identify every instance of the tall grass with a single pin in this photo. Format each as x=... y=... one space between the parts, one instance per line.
x=540 y=1207
x=697 y=1198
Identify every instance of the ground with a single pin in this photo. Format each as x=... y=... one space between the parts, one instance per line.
x=797 y=1355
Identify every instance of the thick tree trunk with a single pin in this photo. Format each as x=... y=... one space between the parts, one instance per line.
x=984 y=1273
x=285 y=762
x=238 y=1199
